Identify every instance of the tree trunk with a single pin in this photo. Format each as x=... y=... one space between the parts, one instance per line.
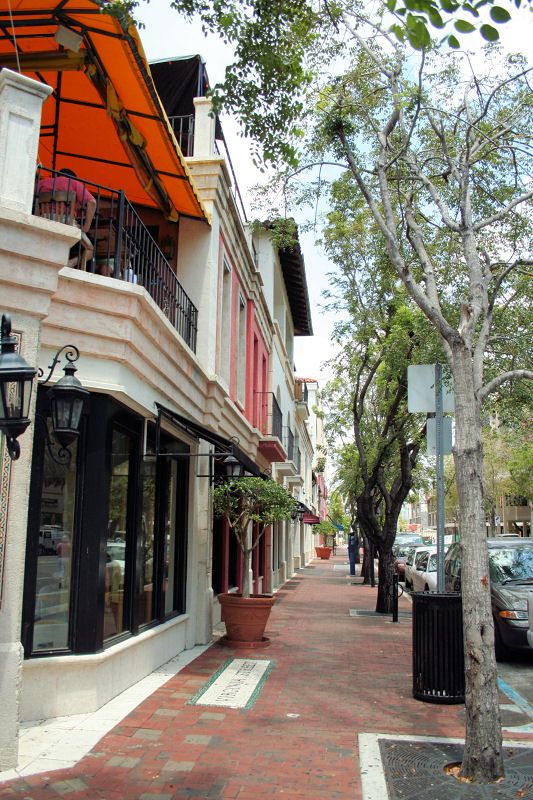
x=365 y=568
x=246 y=565
x=482 y=760
x=385 y=576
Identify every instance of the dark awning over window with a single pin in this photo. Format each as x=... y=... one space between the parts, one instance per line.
x=222 y=445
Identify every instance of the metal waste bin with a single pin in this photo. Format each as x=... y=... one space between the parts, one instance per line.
x=438 y=658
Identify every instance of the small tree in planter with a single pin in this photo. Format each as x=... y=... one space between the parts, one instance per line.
x=247 y=500
x=327 y=530
x=242 y=502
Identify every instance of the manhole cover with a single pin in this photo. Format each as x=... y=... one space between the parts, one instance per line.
x=415 y=771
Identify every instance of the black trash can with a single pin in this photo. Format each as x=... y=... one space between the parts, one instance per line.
x=438 y=658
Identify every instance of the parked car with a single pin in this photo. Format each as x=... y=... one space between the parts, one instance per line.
x=424 y=577
x=413 y=559
x=404 y=539
x=511 y=579
x=401 y=553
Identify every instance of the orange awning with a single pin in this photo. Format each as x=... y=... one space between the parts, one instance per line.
x=104 y=118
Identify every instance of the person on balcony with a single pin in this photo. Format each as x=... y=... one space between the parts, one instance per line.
x=66 y=181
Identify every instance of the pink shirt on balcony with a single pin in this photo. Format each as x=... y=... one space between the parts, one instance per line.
x=64 y=183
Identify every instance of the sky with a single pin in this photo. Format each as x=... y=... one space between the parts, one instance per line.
x=167 y=34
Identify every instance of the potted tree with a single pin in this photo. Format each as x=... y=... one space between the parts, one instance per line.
x=327 y=531
x=242 y=502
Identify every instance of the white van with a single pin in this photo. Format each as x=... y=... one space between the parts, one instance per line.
x=49 y=538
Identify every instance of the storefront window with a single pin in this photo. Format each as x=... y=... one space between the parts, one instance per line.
x=54 y=559
x=117 y=538
x=145 y=593
x=169 y=586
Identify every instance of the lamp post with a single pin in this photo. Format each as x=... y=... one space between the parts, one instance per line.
x=16 y=380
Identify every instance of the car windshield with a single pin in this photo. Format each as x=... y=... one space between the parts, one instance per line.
x=401 y=550
x=511 y=564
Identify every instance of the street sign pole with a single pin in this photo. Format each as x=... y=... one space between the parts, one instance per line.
x=439 y=424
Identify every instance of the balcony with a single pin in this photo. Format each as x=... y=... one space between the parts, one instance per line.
x=183 y=127
x=301 y=396
x=270 y=421
x=117 y=245
x=288 y=467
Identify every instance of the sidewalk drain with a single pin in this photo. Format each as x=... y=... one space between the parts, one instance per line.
x=416 y=770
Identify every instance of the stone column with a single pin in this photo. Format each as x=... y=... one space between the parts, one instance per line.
x=21 y=101
x=33 y=252
x=204 y=128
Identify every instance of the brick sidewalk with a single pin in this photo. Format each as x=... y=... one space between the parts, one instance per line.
x=334 y=676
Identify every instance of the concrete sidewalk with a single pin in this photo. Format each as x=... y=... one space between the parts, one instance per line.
x=306 y=729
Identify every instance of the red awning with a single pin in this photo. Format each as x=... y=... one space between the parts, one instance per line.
x=311 y=519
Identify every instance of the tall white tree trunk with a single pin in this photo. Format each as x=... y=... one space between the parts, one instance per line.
x=483 y=750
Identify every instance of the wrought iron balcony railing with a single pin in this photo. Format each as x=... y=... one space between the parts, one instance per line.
x=116 y=244
x=268 y=416
x=289 y=444
x=183 y=128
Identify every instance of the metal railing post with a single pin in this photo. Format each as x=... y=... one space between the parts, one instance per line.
x=120 y=228
x=395 y=598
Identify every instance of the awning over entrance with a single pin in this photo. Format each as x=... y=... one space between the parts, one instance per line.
x=104 y=118
x=311 y=519
x=222 y=445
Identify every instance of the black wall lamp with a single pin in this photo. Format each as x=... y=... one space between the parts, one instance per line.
x=66 y=399
x=16 y=380
x=299 y=512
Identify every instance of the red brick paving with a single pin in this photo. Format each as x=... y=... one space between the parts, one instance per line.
x=341 y=675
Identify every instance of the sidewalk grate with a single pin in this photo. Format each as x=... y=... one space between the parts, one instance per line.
x=415 y=771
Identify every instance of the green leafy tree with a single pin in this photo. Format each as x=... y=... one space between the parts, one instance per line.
x=418 y=21
x=379 y=333
x=244 y=501
x=326 y=529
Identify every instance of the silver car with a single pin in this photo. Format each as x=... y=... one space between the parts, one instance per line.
x=413 y=560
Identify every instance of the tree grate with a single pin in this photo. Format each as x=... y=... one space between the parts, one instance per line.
x=415 y=771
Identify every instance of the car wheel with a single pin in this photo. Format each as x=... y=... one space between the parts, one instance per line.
x=501 y=650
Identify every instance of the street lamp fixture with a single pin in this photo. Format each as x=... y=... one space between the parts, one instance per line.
x=66 y=403
x=16 y=380
x=233 y=468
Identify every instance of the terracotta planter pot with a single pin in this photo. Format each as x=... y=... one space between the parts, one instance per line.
x=323 y=552
x=245 y=617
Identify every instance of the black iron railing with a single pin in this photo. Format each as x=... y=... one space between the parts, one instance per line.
x=116 y=244
x=289 y=444
x=183 y=128
x=269 y=418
